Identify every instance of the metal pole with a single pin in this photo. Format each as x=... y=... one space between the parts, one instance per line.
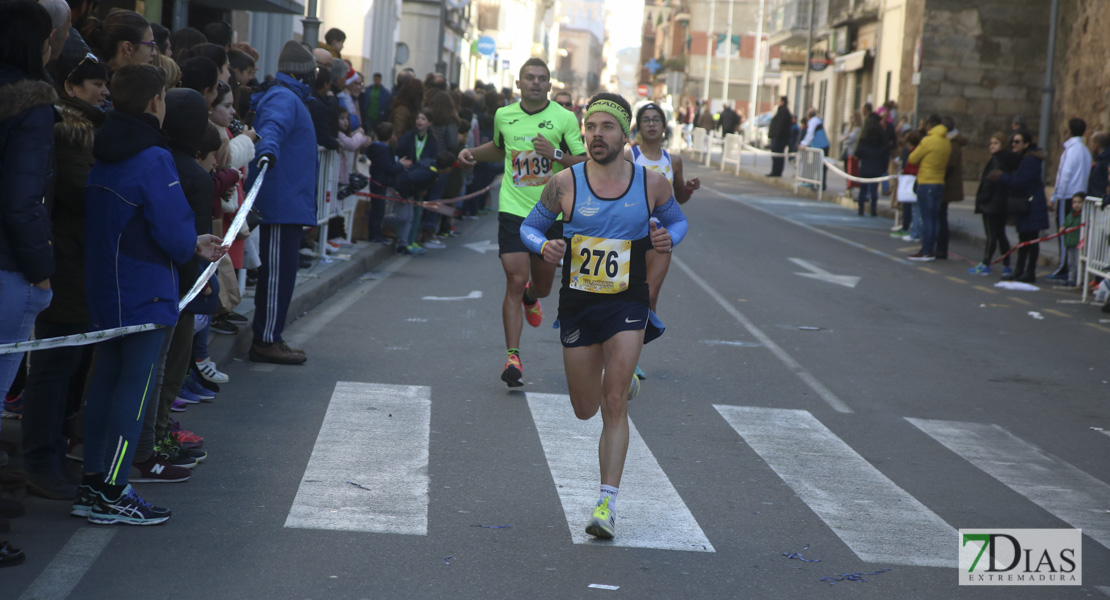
x=728 y=58
x=809 y=48
x=753 y=96
x=709 y=48
x=1049 y=90
x=441 y=65
x=311 y=36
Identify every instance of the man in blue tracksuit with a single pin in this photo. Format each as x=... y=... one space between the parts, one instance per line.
x=287 y=200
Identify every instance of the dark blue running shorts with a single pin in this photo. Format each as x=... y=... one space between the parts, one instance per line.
x=598 y=323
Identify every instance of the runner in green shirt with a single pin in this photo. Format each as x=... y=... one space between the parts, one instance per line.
x=536 y=138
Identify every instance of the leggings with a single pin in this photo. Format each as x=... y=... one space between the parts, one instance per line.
x=1027 y=256
x=995 y=228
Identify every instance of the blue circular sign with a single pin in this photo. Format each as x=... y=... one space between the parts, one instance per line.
x=487 y=45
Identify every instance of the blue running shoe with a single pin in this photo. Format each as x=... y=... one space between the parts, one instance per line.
x=1006 y=271
x=187 y=397
x=194 y=387
x=980 y=269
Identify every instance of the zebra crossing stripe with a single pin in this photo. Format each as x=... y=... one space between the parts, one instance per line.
x=1066 y=492
x=369 y=468
x=650 y=513
x=878 y=520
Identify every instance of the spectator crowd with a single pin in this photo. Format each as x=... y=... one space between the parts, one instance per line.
x=126 y=151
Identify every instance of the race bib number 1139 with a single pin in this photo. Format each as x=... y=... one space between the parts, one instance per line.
x=599 y=265
x=530 y=169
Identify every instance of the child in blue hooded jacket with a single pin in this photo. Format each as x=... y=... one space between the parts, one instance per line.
x=138 y=229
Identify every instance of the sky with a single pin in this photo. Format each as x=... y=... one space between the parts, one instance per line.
x=630 y=13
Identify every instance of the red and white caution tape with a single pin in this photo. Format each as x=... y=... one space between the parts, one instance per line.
x=750 y=148
x=834 y=166
x=1036 y=241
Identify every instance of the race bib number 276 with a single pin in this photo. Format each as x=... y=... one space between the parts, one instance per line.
x=599 y=265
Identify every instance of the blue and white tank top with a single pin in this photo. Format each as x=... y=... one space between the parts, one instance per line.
x=661 y=166
x=606 y=242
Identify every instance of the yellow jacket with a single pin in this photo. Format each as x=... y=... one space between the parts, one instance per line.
x=932 y=156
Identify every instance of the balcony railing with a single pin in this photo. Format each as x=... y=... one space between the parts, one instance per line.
x=790 y=20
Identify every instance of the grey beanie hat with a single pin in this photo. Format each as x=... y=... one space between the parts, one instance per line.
x=295 y=59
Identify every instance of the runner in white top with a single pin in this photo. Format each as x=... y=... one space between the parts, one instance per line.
x=651 y=123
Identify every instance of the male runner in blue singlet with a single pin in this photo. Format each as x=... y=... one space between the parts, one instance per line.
x=607 y=205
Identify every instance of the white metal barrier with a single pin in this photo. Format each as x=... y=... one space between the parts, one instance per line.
x=327 y=191
x=731 y=151
x=712 y=140
x=701 y=143
x=1094 y=258
x=810 y=168
x=346 y=207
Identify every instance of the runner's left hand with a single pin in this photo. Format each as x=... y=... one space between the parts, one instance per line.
x=543 y=147
x=660 y=238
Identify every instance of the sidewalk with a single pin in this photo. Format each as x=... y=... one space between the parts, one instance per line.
x=963 y=223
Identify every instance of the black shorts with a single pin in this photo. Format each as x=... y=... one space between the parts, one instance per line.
x=508 y=234
x=596 y=324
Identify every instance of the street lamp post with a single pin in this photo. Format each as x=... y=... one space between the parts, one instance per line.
x=728 y=56
x=809 y=50
x=753 y=95
x=311 y=35
x=441 y=65
x=709 y=48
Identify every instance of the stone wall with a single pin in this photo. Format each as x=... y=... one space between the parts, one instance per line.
x=1082 y=70
x=983 y=62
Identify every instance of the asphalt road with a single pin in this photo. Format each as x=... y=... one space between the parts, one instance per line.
x=860 y=422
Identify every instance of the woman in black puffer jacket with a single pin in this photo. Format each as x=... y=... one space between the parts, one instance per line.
x=26 y=146
x=990 y=201
x=81 y=82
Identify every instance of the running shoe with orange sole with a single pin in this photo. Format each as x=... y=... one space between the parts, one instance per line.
x=513 y=371
x=534 y=313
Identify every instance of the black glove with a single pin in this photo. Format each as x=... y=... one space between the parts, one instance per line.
x=267 y=159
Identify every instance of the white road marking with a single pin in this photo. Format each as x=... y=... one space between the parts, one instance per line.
x=303 y=331
x=263 y=367
x=806 y=226
x=1104 y=589
x=1070 y=494
x=375 y=436
x=67 y=568
x=815 y=272
x=823 y=392
x=879 y=521
x=482 y=247
x=731 y=343
x=471 y=296
x=650 y=513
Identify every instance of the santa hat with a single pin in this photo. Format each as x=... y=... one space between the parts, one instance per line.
x=352 y=76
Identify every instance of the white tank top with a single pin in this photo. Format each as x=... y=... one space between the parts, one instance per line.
x=661 y=166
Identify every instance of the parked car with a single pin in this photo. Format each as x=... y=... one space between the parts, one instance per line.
x=762 y=126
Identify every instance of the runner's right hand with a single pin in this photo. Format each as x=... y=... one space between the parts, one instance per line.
x=554 y=250
x=466 y=159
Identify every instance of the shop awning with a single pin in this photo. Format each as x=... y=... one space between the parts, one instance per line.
x=850 y=62
x=273 y=6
